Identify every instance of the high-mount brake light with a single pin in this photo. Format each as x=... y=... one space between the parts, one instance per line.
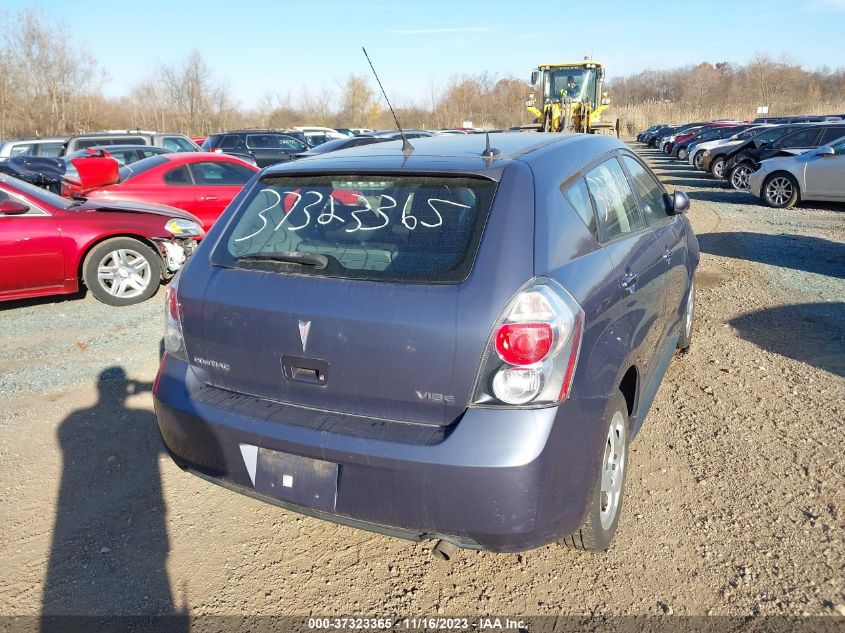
x=533 y=351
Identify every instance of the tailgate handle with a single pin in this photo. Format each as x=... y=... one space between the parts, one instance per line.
x=308 y=370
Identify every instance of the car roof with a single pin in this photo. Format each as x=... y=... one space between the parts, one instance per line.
x=459 y=153
x=39 y=139
x=112 y=148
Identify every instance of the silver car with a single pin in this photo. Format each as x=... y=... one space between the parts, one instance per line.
x=817 y=174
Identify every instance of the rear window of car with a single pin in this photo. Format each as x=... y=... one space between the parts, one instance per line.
x=422 y=229
x=128 y=171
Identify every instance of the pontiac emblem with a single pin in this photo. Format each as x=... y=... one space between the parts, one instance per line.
x=304 y=328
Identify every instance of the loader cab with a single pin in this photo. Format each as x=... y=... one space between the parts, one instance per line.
x=575 y=82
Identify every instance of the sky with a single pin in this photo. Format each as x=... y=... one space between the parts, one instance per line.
x=276 y=47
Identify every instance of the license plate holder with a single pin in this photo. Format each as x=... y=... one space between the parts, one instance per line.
x=301 y=480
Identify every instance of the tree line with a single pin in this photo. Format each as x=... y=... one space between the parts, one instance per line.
x=51 y=84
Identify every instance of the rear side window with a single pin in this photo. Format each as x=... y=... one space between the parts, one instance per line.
x=178 y=176
x=177 y=144
x=229 y=141
x=802 y=138
x=272 y=141
x=378 y=227
x=219 y=173
x=831 y=134
x=579 y=198
x=615 y=204
x=650 y=191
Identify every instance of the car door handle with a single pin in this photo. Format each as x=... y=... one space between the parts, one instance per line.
x=208 y=197
x=667 y=255
x=629 y=282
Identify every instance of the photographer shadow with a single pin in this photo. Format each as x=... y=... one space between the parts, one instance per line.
x=110 y=541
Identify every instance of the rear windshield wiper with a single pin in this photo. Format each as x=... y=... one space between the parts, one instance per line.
x=288 y=257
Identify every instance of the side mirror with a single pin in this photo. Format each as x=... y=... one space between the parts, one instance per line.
x=680 y=202
x=12 y=207
x=534 y=75
x=825 y=150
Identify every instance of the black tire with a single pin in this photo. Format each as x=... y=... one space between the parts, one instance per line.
x=738 y=177
x=716 y=167
x=780 y=190
x=682 y=154
x=687 y=320
x=594 y=535
x=698 y=160
x=136 y=273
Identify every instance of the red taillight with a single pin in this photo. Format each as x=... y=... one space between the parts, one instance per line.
x=533 y=349
x=524 y=343
x=174 y=342
x=172 y=304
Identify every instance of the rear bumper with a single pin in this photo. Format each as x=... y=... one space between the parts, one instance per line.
x=502 y=480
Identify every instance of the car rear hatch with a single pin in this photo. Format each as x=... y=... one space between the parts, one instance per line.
x=365 y=295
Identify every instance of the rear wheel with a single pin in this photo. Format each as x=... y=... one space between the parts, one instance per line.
x=683 y=154
x=739 y=177
x=606 y=500
x=780 y=191
x=698 y=160
x=122 y=271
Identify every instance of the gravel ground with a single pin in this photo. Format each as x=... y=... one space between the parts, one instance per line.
x=735 y=501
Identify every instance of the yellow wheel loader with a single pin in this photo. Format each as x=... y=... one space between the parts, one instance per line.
x=571 y=99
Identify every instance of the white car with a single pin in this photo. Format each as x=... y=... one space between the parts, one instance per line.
x=817 y=174
x=330 y=133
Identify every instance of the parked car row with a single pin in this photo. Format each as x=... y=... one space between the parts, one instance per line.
x=148 y=172
x=782 y=161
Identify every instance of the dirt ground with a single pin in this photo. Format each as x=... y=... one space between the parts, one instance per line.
x=735 y=496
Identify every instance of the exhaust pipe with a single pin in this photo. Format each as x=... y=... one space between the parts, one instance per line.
x=444 y=550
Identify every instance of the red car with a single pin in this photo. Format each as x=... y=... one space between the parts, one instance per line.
x=198 y=182
x=120 y=250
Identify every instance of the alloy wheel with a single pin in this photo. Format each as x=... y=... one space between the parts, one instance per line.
x=613 y=470
x=124 y=273
x=779 y=190
x=739 y=178
x=689 y=310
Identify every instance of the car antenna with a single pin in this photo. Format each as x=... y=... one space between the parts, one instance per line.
x=489 y=152
x=406 y=145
